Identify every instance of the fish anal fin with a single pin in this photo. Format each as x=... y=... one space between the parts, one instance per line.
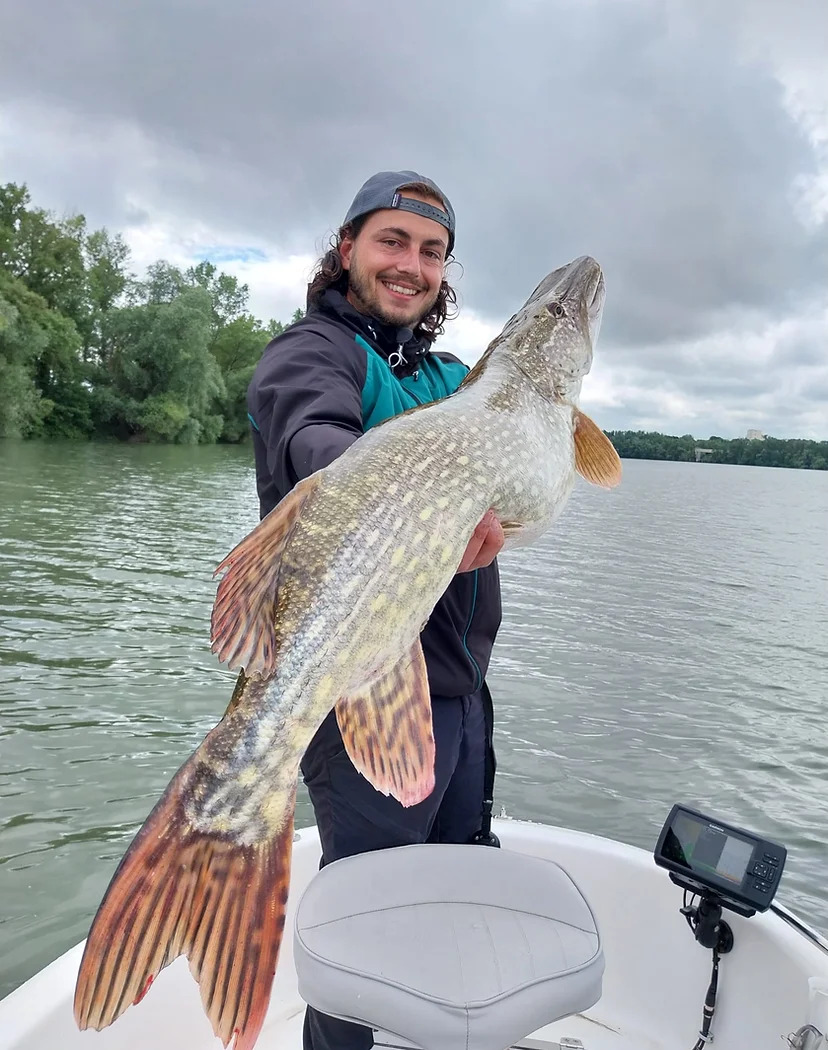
x=387 y=729
x=182 y=891
x=595 y=457
x=242 y=630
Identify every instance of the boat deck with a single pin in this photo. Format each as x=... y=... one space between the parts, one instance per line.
x=581 y=1032
x=773 y=982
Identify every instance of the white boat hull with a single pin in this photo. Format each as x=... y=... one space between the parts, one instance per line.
x=773 y=982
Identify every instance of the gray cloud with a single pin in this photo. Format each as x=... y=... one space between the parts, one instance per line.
x=659 y=143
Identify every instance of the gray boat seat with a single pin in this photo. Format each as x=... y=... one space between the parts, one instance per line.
x=447 y=947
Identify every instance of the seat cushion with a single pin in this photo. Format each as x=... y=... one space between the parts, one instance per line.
x=447 y=946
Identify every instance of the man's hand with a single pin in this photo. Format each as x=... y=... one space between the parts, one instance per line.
x=485 y=544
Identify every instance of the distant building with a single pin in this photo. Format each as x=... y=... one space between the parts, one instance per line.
x=755 y=435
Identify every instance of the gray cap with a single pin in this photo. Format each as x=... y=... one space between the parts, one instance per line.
x=383 y=191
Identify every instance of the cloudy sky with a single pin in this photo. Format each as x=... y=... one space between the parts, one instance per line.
x=684 y=144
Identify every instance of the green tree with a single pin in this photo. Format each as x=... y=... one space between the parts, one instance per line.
x=163 y=380
x=14 y=201
x=46 y=255
x=85 y=347
x=228 y=297
x=237 y=348
x=106 y=258
x=41 y=384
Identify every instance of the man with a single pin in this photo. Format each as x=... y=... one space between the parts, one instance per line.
x=362 y=354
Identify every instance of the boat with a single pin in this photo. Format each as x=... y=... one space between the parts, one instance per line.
x=557 y=940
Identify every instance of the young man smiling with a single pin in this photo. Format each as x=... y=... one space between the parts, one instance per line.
x=362 y=354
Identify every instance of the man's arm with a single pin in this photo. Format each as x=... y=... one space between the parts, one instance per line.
x=306 y=401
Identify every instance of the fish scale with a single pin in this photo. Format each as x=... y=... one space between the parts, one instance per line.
x=321 y=607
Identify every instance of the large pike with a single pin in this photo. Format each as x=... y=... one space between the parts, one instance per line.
x=321 y=606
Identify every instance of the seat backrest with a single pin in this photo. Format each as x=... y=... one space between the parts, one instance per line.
x=447 y=946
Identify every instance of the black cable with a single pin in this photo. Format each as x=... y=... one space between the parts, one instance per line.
x=689 y=910
x=709 y=1005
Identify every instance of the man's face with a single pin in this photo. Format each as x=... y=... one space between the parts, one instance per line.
x=395 y=265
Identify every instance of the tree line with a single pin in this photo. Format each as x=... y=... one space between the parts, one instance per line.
x=764 y=452
x=88 y=350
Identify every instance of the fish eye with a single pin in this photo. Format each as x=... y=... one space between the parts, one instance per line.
x=555 y=309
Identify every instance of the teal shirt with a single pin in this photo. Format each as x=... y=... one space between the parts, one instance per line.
x=384 y=395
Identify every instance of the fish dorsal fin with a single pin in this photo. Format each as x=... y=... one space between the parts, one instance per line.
x=242 y=623
x=387 y=731
x=595 y=455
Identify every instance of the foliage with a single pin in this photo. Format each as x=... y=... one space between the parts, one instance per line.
x=764 y=452
x=87 y=349
x=41 y=374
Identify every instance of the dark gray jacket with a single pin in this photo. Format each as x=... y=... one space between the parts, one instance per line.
x=318 y=386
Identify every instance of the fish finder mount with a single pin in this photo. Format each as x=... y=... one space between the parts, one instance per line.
x=705 y=920
x=726 y=868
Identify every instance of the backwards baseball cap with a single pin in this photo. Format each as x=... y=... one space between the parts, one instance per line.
x=383 y=191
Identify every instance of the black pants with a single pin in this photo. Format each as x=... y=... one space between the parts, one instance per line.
x=354 y=818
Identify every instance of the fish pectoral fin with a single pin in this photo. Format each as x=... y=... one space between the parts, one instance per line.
x=511 y=528
x=182 y=890
x=595 y=457
x=242 y=622
x=387 y=730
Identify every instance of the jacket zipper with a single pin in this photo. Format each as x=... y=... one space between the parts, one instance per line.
x=474 y=663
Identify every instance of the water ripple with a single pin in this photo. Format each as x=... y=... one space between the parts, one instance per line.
x=666 y=641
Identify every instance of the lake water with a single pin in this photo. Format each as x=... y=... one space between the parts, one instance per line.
x=667 y=641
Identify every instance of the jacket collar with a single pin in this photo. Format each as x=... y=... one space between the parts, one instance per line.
x=399 y=346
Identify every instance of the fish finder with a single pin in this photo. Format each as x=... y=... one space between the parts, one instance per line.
x=711 y=858
x=724 y=867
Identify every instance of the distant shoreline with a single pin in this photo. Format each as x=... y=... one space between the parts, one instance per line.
x=793 y=453
x=790 y=453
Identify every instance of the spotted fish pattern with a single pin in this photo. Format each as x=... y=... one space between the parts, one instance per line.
x=320 y=608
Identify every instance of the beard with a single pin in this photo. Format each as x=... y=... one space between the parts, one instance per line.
x=364 y=293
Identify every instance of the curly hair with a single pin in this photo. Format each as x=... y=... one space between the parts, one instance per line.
x=330 y=273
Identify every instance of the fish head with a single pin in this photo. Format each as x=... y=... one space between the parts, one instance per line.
x=551 y=338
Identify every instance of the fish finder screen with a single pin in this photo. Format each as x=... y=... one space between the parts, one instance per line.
x=704 y=848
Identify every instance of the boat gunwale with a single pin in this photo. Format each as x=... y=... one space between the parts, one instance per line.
x=792 y=919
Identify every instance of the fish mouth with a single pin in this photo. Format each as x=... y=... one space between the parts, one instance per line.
x=582 y=281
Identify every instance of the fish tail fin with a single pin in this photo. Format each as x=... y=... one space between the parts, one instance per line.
x=183 y=891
